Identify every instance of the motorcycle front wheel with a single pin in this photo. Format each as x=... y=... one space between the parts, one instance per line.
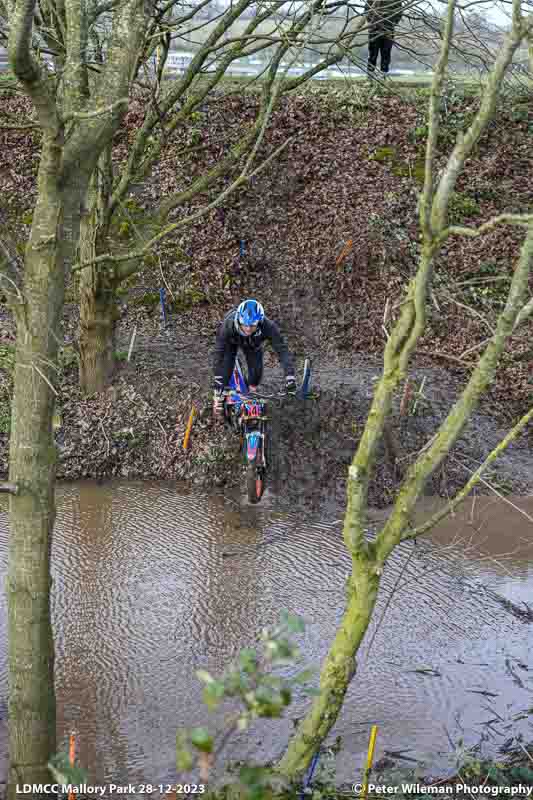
x=255 y=480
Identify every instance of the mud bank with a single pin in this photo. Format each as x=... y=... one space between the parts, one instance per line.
x=332 y=187
x=135 y=429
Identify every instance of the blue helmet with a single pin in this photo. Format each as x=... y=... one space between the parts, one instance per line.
x=250 y=312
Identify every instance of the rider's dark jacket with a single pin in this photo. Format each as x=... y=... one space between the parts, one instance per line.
x=229 y=340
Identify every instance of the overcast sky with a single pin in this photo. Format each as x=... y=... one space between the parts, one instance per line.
x=497 y=12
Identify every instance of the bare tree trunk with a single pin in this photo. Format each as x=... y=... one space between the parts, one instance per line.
x=97 y=332
x=97 y=289
x=32 y=720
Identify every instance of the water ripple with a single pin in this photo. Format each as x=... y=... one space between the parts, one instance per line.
x=153 y=581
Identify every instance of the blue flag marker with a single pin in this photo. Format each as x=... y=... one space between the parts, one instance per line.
x=242 y=248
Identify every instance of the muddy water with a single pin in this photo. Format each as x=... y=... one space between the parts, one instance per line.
x=152 y=582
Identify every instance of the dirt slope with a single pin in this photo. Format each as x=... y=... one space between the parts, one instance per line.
x=348 y=173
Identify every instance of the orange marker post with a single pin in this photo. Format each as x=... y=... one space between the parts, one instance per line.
x=188 y=430
x=71 y=757
x=344 y=252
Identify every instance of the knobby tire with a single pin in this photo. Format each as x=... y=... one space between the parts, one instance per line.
x=255 y=480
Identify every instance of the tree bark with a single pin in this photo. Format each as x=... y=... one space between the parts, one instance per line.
x=97 y=332
x=97 y=288
x=32 y=720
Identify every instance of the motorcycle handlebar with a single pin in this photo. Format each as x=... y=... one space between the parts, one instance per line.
x=257 y=395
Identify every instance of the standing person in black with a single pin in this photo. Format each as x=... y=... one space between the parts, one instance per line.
x=382 y=17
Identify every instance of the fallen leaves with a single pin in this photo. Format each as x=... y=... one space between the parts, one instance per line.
x=331 y=239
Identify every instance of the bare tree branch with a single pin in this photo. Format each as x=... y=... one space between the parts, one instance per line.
x=26 y=68
x=474 y=480
x=502 y=219
x=129 y=26
x=97 y=112
x=75 y=86
x=433 y=122
x=243 y=177
x=524 y=313
x=465 y=143
x=394 y=530
x=10 y=273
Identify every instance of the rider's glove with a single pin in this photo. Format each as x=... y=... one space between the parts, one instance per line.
x=290 y=384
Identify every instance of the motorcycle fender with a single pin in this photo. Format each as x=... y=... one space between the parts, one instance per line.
x=252 y=444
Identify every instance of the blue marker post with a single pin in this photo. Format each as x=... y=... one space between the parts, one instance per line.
x=163 y=308
x=242 y=248
x=310 y=774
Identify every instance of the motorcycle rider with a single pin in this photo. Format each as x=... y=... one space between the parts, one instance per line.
x=247 y=327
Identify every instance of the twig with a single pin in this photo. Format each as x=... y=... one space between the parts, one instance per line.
x=98 y=112
x=22 y=127
x=525 y=751
x=477 y=346
x=101 y=422
x=434 y=299
x=471 y=311
x=164 y=279
x=164 y=434
x=389 y=598
x=475 y=281
x=186 y=220
x=525 y=312
x=439 y=354
x=506 y=499
x=132 y=341
x=512 y=219
x=386 y=313
x=513 y=433
x=45 y=379
x=419 y=394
